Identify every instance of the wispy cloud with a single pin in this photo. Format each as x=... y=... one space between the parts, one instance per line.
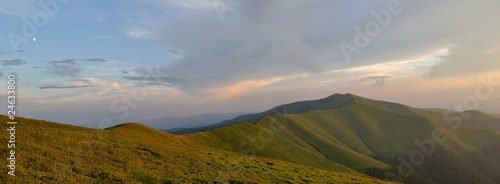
x=77 y=88
x=374 y=78
x=10 y=52
x=190 y=5
x=12 y=62
x=94 y=60
x=73 y=61
x=138 y=32
x=379 y=80
x=22 y=8
x=153 y=83
x=65 y=87
x=492 y=50
x=174 y=52
x=65 y=61
x=157 y=80
x=70 y=67
x=242 y=87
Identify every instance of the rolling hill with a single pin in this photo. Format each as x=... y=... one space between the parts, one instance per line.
x=339 y=139
x=367 y=135
x=333 y=101
x=132 y=153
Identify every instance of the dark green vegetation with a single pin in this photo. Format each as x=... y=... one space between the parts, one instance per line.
x=132 y=153
x=338 y=139
x=371 y=137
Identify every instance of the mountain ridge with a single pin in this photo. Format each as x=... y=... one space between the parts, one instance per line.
x=286 y=108
x=331 y=102
x=133 y=153
x=340 y=133
x=365 y=129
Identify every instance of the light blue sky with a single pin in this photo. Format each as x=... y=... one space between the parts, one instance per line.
x=259 y=54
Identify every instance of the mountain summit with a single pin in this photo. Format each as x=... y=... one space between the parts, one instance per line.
x=331 y=102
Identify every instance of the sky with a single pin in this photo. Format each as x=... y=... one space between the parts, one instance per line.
x=78 y=62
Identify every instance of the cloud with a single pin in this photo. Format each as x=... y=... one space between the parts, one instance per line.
x=248 y=47
x=141 y=24
x=69 y=67
x=374 y=78
x=65 y=61
x=138 y=32
x=73 y=61
x=94 y=60
x=262 y=39
x=12 y=62
x=153 y=83
x=65 y=87
x=73 y=83
x=66 y=68
x=493 y=50
x=157 y=80
x=77 y=89
x=10 y=52
x=242 y=87
x=173 y=52
x=83 y=80
x=189 y=5
x=23 y=8
x=379 y=80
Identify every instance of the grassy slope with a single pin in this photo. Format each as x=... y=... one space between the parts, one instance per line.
x=344 y=133
x=477 y=120
x=131 y=153
x=333 y=101
x=470 y=119
x=480 y=120
x=292 y=149
x=354 y=133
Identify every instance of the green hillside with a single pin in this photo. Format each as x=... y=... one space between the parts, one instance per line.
x=333 y=101
x=132 y=153
x=366 y=136
x=479 y=120
x=338 y=139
